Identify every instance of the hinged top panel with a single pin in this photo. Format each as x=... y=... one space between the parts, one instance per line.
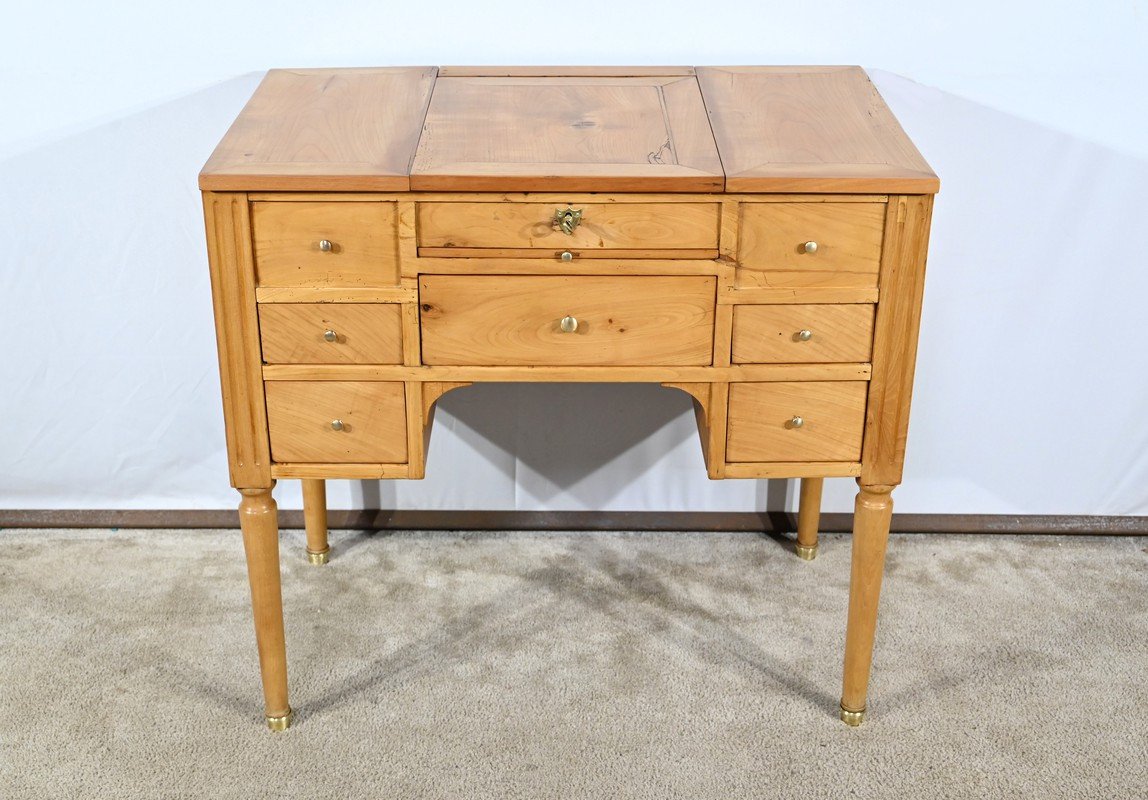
x=809 y=129
x=567 y=133
x=324 y=130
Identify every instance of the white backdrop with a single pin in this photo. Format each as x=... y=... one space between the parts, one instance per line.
x=1032 y=392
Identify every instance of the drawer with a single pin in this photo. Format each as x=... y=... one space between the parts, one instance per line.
x=802 y=334
x=325 y=244
x=762 y=417
x=499 y=320
x=331 y=333
x=626 y=230
x=354 y=422
x=774 y=236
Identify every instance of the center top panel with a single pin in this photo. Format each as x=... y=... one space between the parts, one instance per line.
x=633 y=133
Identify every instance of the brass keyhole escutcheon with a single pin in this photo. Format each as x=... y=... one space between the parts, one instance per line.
x=567 y=219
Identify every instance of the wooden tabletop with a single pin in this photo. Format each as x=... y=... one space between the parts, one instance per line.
x=521 y=129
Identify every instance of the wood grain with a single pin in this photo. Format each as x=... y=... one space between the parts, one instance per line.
x=324 y=130
x=809 y=129
x=753 y=373
x=802 y=287
x=628 y=226
x=237 y=337
x=833 y=414
x=770 y=334
x=574 y=133
x=373 y=414
x=328 y=294
x=294 y=333
x=341 y=470
x=495 y=320
x=363 y=236
x=792 y=469
x=895 y=338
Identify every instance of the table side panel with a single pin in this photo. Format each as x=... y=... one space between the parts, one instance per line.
x=902 y=284
x=237 y=335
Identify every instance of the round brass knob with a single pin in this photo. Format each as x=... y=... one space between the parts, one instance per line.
x=804 y=335
x=809 y=247
x=330 y=336
x=796 y=422
x=568 y=324
x=566 y=255
x=325 y=245
x=337 y=425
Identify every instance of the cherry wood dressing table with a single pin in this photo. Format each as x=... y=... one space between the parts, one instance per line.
x=752 y=236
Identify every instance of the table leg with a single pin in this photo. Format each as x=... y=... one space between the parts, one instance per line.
x=808 y=515
x=873 y=512
x=259 y=520
x=315 y=520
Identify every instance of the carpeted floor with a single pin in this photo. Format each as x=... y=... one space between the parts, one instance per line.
x=443 y=665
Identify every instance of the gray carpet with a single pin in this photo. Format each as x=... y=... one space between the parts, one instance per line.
x=442 y=665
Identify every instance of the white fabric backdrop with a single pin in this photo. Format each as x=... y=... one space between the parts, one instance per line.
x=1031 y=389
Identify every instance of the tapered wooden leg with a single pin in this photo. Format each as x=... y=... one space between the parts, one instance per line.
x=259 y=520
x=873 y=512
x=808 y=515
x=315 y=520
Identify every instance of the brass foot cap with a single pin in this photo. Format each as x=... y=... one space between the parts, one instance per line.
x=281 y=723
x=852 y=718
x=319 y=558
x=806 y=551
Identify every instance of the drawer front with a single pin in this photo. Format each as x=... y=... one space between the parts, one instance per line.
x=802 y=334
x=331 y=333
x=762 y=424
x=370 y=417
x=774 y=237
x=498 y=320
x=325 y=244
x=617 y=229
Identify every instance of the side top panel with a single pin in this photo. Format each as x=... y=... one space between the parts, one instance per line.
x=809 y=129
x=324 y=130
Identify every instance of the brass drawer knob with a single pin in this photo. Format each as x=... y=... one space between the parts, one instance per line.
x=803 y=335
x=330 y=336
x=567 y=219
x=337 y=425
x=796 y=422
x=809 y=247
x=568 y=324
x=566 y=255
x=325 y=245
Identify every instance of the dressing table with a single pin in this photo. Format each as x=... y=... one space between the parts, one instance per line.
x=752 y=236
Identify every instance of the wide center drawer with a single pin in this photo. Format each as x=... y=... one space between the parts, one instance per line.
x=502 y=320
x=662 y=230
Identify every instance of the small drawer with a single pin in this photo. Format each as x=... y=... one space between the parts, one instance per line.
x=789 y=421
x=802 y=334
x=809 y=237
x=619 y=230
x=567 y=320
x=331 y=333
x=351 y=422
x=325 y=244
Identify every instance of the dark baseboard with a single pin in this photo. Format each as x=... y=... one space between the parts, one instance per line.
x=761 y=522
